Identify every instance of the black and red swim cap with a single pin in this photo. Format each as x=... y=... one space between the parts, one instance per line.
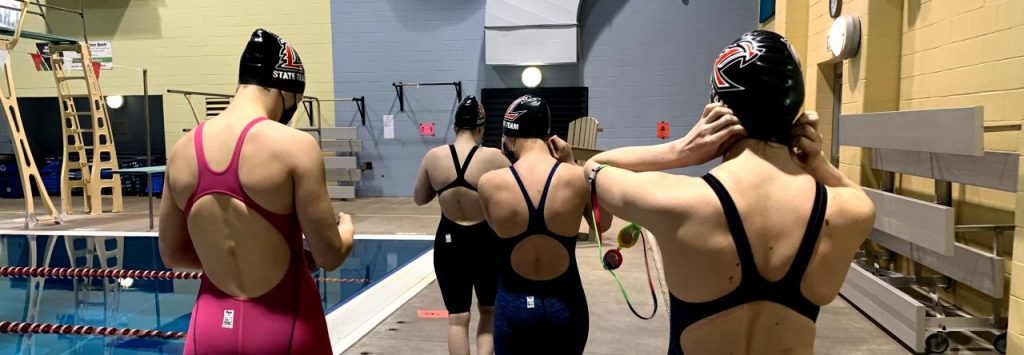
x=527 y=117
x=270 y=62
x=758 y=76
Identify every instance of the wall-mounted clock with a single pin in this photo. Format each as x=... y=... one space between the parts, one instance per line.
x=844 y=38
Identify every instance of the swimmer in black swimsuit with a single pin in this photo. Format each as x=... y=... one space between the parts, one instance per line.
x=750 y=285
x=536 y=207
x=465 y=246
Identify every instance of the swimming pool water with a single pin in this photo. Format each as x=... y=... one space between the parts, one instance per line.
x=146 y=304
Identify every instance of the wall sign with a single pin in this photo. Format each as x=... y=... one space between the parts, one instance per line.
x=9 y=17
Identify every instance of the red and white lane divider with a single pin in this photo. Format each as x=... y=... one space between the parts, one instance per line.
x=86 y=273
x=46 y=328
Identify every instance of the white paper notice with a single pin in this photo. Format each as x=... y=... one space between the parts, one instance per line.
x=389 y=127
x=3 y=56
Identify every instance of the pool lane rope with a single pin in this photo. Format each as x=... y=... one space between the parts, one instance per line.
x=611 y=260
x=86 y=273
x=63 y=329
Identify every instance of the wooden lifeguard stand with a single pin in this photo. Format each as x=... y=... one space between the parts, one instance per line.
x=76 y=155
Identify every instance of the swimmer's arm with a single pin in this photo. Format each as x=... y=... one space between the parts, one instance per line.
x=807 y=152
x=487 y=185
x=423 y=192
x=606 y=217
x=635 y=197
x=330 y=241
x=176 y=248
x=806 y=144
x=716 y=130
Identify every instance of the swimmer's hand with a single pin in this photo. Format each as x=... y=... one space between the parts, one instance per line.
x=716 y=130
x=805 y=148
x=347 y=230
x=561 y=150
x=344 y=220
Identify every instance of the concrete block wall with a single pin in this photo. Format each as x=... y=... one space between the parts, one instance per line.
x=962 y=53
x=637 y=57
x=377 y=43
x=650 y=61
x=949 y=54
x=186 y=44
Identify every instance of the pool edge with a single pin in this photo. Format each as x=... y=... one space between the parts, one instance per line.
x=351 y=321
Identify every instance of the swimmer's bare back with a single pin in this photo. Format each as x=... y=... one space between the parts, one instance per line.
x=239 y=195
x=536 y=257
x=278 y=168
x=774 y=200
x=459 y=204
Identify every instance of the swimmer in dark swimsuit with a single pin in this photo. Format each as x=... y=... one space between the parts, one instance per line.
x=241 y=190
x=756 y=246
x=465 y=247
x=536 y=207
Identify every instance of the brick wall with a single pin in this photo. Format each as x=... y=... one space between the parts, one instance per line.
x=644 y=61
x=950 y=54
x=186 y=44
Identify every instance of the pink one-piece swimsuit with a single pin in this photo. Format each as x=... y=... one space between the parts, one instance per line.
x=288 y=319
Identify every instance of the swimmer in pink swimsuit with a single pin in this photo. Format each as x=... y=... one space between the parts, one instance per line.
x=239 y=234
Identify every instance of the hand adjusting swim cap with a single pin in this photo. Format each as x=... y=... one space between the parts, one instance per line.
x=527 y=117
x=270 y=62
x=758 y=76
x=470 y=113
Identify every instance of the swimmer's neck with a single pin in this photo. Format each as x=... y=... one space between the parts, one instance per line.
x=532 y=148
x=748 y=149
x=252 y=101
x=465 y=137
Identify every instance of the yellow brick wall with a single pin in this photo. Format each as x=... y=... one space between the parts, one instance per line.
x=958 y=54
x=950 y=53
x=185 y=44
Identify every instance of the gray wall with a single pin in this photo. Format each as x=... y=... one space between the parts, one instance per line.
x=643 y=60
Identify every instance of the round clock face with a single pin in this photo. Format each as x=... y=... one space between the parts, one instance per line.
x=834 y=6
x=837 y=37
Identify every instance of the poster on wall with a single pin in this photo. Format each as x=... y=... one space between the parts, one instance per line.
x=8 y=16
x=102 y=52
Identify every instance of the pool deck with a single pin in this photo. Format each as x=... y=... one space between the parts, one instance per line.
x=613 y=329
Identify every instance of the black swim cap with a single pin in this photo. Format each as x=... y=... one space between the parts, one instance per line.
x=527 y=117
x=270 y=62
x=758 y=76
x=470 y=113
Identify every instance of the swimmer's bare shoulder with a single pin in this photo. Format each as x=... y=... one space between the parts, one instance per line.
x=493 y=158
x=181 y=168
x=656 y=198
x=493 y=183
x=297 y=148
x=851 y=211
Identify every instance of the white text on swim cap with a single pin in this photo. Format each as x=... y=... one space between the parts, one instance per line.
x=288 y=75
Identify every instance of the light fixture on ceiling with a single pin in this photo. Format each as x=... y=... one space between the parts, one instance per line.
x=531 y=77
x=115 y=101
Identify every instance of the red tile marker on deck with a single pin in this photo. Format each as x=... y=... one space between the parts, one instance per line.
x=431 y=314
